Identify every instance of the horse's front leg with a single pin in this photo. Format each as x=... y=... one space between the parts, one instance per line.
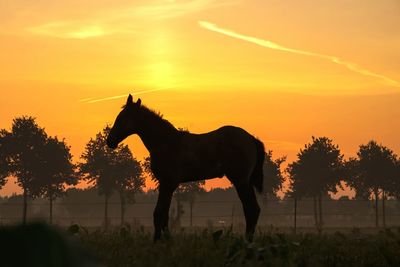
x=162 y=209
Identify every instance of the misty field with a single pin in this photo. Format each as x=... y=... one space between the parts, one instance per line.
x=126 y=247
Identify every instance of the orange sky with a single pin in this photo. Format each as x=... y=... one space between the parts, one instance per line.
x=283 y=70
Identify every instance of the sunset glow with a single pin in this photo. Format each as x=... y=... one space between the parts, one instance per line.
x=268 y=44
x=282 y=71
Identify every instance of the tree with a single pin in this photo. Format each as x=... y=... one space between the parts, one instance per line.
x=129 y=177
x=4 y=169
x=82 y=203
x=273 y=178
x=296 y=189
x=188 y=192
x=57 y=171
x=146 y=165
x=352 y=179
x=23 y=149
x=395 y=188
x=110 y=170
x=316 y=172
x=97 y=167
x=374 y=173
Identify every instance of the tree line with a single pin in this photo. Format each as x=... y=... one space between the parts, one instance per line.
x=43 y=167
x=321 y=169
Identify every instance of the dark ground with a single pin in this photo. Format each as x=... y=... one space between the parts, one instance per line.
x=40 y=245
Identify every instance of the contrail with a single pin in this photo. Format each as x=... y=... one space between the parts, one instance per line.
x=105 y=99
x=91 y=100
x=85 y=99
x=268 y=44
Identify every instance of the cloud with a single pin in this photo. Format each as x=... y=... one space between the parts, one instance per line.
x=169 y=9
x=70 y=30
x=268 y=44
x=124 y=19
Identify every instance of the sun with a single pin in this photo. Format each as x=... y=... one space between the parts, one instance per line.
x=161 y=74
x=161 y=50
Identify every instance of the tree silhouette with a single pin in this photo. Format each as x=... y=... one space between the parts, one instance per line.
x=82 y=203
x=146 y=165
x=23 y=149
x=188 y=192
x=351 y=177
x=395 y=188
x=97 y=167
x=374 y=172
x=129 y=177
x=111 y=170
x=57 y=171
x=4 y=169
x=273 y=178
x=316 y=172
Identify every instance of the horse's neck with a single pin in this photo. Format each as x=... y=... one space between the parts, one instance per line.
x=157 y=135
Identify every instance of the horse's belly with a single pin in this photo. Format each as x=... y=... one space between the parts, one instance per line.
x=201 y=171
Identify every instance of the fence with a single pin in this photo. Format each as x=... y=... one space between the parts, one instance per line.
x=207 y=213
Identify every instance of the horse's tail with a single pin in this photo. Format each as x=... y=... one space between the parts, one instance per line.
x=257 y=177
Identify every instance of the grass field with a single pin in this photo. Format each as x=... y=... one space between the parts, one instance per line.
x=126 y=247
x=41 y=245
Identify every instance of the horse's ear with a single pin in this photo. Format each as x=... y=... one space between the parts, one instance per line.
x=130 y=100
x=139 y=102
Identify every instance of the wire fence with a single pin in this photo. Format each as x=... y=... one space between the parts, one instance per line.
x=209 y=213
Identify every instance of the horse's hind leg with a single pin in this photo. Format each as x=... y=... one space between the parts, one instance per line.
x=250 y=207
x=161 y=211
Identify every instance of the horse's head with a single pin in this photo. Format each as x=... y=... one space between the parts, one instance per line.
x=124 y=124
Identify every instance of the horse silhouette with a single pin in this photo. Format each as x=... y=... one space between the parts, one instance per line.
x=180 y=156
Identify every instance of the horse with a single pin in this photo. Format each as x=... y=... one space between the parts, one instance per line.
x=178 y=156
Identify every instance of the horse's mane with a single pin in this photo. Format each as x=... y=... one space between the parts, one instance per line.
x=155 y=116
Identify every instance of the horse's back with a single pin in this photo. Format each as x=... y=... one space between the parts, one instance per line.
x=235 y=136
x=224 y=151
x=243 y=154
x=224 y=136
x=239 y=142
